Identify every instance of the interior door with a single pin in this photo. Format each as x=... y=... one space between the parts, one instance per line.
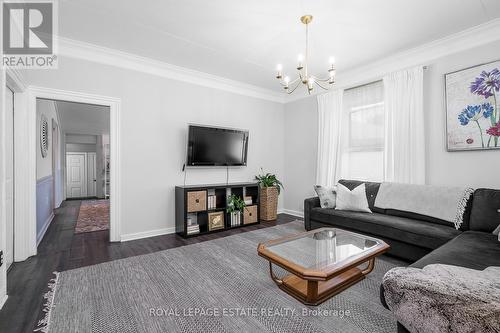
x=76 y=175
x=91 y=175
x=9 y=176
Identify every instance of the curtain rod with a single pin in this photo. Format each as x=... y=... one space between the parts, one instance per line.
x=376 y=81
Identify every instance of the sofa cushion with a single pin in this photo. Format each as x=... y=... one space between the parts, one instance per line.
x=421 y=233
x=371 y=192
x=485 y=214
x=354 y=200
x=471 y=249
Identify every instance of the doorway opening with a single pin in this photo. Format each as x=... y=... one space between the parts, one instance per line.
x=73 y=165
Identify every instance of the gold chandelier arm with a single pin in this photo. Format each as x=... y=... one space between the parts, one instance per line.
x=321 y=86
x=283 y=83
x=321 y=80
x=290 y=91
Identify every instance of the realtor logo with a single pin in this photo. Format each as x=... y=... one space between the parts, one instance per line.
x=28 y=30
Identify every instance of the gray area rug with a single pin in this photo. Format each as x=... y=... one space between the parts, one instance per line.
x=215 y=286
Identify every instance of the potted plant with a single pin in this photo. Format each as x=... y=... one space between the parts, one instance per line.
x=270 y=188
x=235 y=206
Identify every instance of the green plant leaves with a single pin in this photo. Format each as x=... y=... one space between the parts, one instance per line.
x=269 y=180
x=235 y=204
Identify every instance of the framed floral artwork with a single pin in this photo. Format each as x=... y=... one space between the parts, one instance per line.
x=473 y=108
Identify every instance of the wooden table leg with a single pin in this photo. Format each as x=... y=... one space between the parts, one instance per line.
x=312 y=291
x=369 y=268
x=279 y=282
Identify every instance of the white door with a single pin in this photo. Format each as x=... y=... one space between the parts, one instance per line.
x=9 y=176
x=91 y=175
x=76 y=175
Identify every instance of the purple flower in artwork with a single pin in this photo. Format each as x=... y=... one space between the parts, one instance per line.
x=486 y=83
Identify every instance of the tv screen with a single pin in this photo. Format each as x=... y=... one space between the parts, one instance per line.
x=214 y=146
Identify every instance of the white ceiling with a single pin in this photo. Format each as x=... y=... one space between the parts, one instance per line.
x=244 y=40
x=78 y=118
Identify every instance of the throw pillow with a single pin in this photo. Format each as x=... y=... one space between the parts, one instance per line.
x=354 y=200
x=327 y=196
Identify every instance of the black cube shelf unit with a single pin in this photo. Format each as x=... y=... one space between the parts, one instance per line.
x=192 y=203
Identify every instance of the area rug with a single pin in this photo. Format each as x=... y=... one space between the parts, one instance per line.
x=93 y=216
x=220 y=285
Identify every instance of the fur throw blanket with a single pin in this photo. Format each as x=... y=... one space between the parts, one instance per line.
x=442 y=298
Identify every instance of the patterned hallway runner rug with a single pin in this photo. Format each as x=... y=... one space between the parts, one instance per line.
x=93 y=216
x=220 y=285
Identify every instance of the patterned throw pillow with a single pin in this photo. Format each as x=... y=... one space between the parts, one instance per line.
x=354 y=200
x=327 y=196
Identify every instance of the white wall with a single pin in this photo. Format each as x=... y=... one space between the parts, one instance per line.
x=301 y=138
x=154 y=115
x=81 y=138
x=81 y=148
x=472 y=168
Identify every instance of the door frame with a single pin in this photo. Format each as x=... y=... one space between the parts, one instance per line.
x=11 y=78
x=94 y=168
x=4 y=207
x=26 y=163
x=85 y=166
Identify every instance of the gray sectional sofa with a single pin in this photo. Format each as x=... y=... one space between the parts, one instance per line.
x=419 y=239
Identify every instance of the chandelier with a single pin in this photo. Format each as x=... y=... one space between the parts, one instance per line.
x=304 y=76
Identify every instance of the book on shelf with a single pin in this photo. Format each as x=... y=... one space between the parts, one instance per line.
x=212 y=202
x=235 y=219
x=193 y=229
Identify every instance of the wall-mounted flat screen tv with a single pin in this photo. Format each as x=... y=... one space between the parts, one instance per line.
x=216 y=146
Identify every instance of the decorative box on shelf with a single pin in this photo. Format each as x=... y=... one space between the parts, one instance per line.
x=250 y=214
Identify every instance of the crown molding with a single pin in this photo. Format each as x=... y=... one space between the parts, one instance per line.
x=15 y=80
x=424 y=54
x=90 y=52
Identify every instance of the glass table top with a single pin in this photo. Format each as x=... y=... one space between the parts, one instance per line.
x=323 y=248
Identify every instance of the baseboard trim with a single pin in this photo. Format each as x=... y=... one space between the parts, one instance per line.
x=2 y=302
x=46 y=225
x=147 y=234
x=293 y=212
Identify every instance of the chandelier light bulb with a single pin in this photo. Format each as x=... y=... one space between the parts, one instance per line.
x=300 y=59
x=279 y=70
x=287 y=81
x=332 y=60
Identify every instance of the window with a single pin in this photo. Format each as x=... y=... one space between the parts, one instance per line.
x=362 y=133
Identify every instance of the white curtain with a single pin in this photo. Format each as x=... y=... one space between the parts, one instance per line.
x=404 y=127
x=329 y=133
x=362 y=142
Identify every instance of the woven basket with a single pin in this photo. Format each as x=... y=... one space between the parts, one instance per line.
x=268 y=203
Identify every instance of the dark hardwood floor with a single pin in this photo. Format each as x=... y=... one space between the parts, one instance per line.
x=61 y=250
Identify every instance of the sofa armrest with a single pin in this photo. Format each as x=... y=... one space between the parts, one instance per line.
x=309 y=204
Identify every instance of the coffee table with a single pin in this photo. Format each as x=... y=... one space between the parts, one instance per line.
x=321 y=263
